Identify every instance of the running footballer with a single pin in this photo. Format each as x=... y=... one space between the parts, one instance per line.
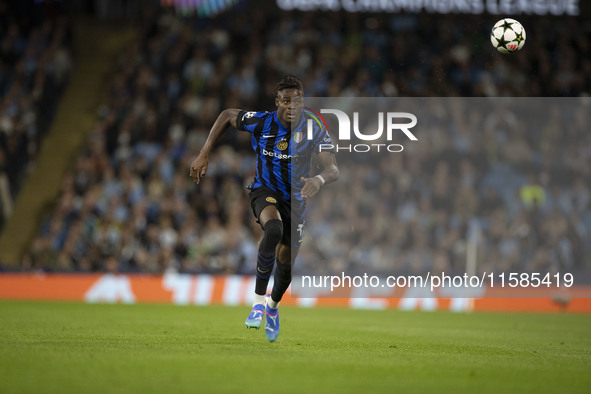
x=281 y=185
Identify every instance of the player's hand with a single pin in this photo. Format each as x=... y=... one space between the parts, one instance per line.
x=198 y=168
x=311 y=187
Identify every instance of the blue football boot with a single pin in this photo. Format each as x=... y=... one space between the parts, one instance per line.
x=272 y=323
x=255 y=318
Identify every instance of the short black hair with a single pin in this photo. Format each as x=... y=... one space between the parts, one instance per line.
x=290 y=81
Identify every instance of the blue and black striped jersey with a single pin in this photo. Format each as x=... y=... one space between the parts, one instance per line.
x=283 y=155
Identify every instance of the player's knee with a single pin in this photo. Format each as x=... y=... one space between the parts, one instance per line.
x=273 y=231
x=284 y=267
x=284 y=255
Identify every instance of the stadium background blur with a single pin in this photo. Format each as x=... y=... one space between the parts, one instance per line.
x=127 y=203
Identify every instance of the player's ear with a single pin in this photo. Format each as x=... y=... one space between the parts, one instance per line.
x=277 y=102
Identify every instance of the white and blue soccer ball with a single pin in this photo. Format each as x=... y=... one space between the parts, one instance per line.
x=508 y=35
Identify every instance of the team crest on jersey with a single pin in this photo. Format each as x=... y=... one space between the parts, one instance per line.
x=271 y=200
x=282 y=145
x=298 y=137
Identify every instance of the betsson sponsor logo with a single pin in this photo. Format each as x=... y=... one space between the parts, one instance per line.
x=278 y=155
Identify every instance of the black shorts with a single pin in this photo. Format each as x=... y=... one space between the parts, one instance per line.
x=292 y=218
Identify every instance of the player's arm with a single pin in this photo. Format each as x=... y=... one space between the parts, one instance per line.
x=329 y=174
x=225 y=119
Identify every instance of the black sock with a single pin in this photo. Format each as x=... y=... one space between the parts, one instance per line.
x=266 y=258
x=282 y=280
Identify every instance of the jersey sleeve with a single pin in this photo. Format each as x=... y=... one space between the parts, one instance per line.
x=250 y=121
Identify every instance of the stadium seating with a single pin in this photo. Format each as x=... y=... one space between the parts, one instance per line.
x=130 y=195
x=35 y=61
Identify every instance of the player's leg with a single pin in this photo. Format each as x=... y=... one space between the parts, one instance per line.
x=287 y=251
x=272 y=225
x=270 y=221
x=282 y=278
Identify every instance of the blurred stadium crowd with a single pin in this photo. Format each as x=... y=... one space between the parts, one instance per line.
x=523 y=193
x=504 y=177
x=35 y=61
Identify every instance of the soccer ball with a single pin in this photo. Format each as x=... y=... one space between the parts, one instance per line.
x=507 y=35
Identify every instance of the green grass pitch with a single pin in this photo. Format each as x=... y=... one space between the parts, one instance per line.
x=80 y=348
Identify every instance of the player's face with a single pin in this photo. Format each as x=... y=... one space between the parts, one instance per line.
x=290 y=103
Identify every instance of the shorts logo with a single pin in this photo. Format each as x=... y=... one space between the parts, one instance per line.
x=282 y=145
x=271 y=200
x=297 y=137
